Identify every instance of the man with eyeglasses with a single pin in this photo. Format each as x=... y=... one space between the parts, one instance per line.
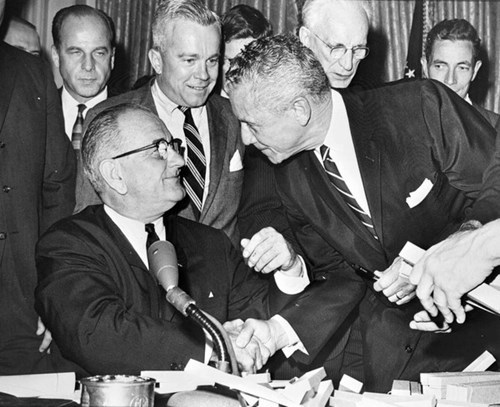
x=336 y=31
x=106 y=311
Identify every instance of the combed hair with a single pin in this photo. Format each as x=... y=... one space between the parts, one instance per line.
x=102 y=140
x=456 y=29
x=307 y=10
x=191 y=10
x=277 y=70
x=243 y=21
x=81 y=10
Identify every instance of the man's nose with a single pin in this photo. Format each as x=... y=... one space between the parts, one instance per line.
x=88 y=63
x=451 y=77
x=202 y=71
x=246 y=135
x=346 y=61
x=175 y=159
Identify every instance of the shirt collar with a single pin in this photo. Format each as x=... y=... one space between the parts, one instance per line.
x=170 y=106
x=467 y=99
x=68 y=100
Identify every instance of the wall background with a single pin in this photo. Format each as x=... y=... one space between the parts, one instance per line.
x=388 y=41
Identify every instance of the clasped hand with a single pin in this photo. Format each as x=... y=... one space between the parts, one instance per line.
x=395 y=287
x=254 y=342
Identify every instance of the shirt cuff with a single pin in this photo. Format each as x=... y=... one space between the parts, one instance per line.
x=294 y=342
x=292 y=285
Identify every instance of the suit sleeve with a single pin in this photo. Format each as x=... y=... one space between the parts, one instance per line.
x=60 y=165
x=463 y=143
x=318 y=314
x=81 y=298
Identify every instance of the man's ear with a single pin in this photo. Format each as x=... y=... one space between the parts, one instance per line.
x=155 y=59
x=476 y=69
x=305 y=36
x=302 y=110
x=111 y=172
x=55 y=56
x=423 y=62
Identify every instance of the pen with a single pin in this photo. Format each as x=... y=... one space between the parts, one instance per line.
x=364 y=272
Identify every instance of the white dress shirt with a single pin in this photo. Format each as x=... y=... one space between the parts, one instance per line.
x=174 y=120
x=70 y=108
x=339 y=139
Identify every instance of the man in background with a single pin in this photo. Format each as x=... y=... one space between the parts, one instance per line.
x=37 y=171
x=22 y=34
x=452 y=57
x=185 y=57
x=336 y=31
x=84 y=53
x=240 y=25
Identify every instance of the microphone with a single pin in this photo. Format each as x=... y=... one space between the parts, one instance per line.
x=163 y=264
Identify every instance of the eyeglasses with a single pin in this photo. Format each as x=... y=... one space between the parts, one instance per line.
x=161 y=146
x=338 y=51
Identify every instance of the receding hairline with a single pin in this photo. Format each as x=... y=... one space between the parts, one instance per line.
x=310 y=16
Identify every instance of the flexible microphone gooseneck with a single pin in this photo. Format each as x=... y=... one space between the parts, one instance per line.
x=163 y=263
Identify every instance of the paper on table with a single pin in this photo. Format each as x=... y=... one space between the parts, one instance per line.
x=173 y=381
x=57 y=385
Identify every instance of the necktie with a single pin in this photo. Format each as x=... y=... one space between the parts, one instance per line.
x=338 y=182
x=152 y=236
x=195 y=162
x=76 y=134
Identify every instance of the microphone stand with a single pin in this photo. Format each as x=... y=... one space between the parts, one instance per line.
x=163 y=263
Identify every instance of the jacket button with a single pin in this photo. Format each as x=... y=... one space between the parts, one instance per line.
x=6 y=189
x=3 y=235
x=408 y=349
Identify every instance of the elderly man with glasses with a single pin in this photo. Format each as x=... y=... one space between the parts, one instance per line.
x=96 y=293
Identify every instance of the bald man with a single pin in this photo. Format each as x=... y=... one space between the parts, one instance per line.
x=22 y=34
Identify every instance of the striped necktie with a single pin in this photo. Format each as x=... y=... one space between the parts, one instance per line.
x=194 y=179
x=338 y=182
x=77 y=133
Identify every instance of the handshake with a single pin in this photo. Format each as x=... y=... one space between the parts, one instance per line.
x=255 y=341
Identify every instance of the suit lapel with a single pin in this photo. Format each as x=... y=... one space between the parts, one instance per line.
x=217 y=127
x=361 y=117
x=8 y=76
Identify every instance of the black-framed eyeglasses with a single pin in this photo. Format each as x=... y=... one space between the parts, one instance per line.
x=338 y=51
x=162 y=145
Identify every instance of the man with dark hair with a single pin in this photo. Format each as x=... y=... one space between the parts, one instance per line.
x=84 y=53
x=361 y=174
x=241 y=25
x=452 y=57
x=96 y=293
x=22 y=34
x=185 y=57
x=37 y=171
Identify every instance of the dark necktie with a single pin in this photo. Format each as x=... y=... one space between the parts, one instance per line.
x=195 y=162
x=77 y=133
x=152 y=236
x=338 y=182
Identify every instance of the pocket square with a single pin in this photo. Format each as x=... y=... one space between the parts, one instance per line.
x=420 y=193
x=236 y=164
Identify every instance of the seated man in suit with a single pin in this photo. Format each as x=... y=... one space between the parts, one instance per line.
x=185 y=56
x=361 y=174
x=96 y=293
x=84 y=53
x=452 y=57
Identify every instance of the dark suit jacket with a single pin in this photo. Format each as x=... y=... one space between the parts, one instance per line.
x=492 y=117
x=219 y=210
x=403 y=134
x=108 y=314
x=37 y=174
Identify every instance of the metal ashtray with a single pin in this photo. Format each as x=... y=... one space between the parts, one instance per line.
x=117 y=391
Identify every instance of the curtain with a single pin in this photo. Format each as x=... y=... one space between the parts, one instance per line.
x=388 y=39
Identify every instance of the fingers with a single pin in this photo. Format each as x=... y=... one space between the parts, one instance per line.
x=441 y=303
x=40 y=329
x=246 y=334
x=46 y=341
x=267 y=251
x=405 y=297
x=423 y=322
x=387 y=279
x=233 y=326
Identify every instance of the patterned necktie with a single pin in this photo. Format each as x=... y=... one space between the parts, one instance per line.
x=338 y=182
x=196 y=162
x=76 y=134
x=152 y=236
